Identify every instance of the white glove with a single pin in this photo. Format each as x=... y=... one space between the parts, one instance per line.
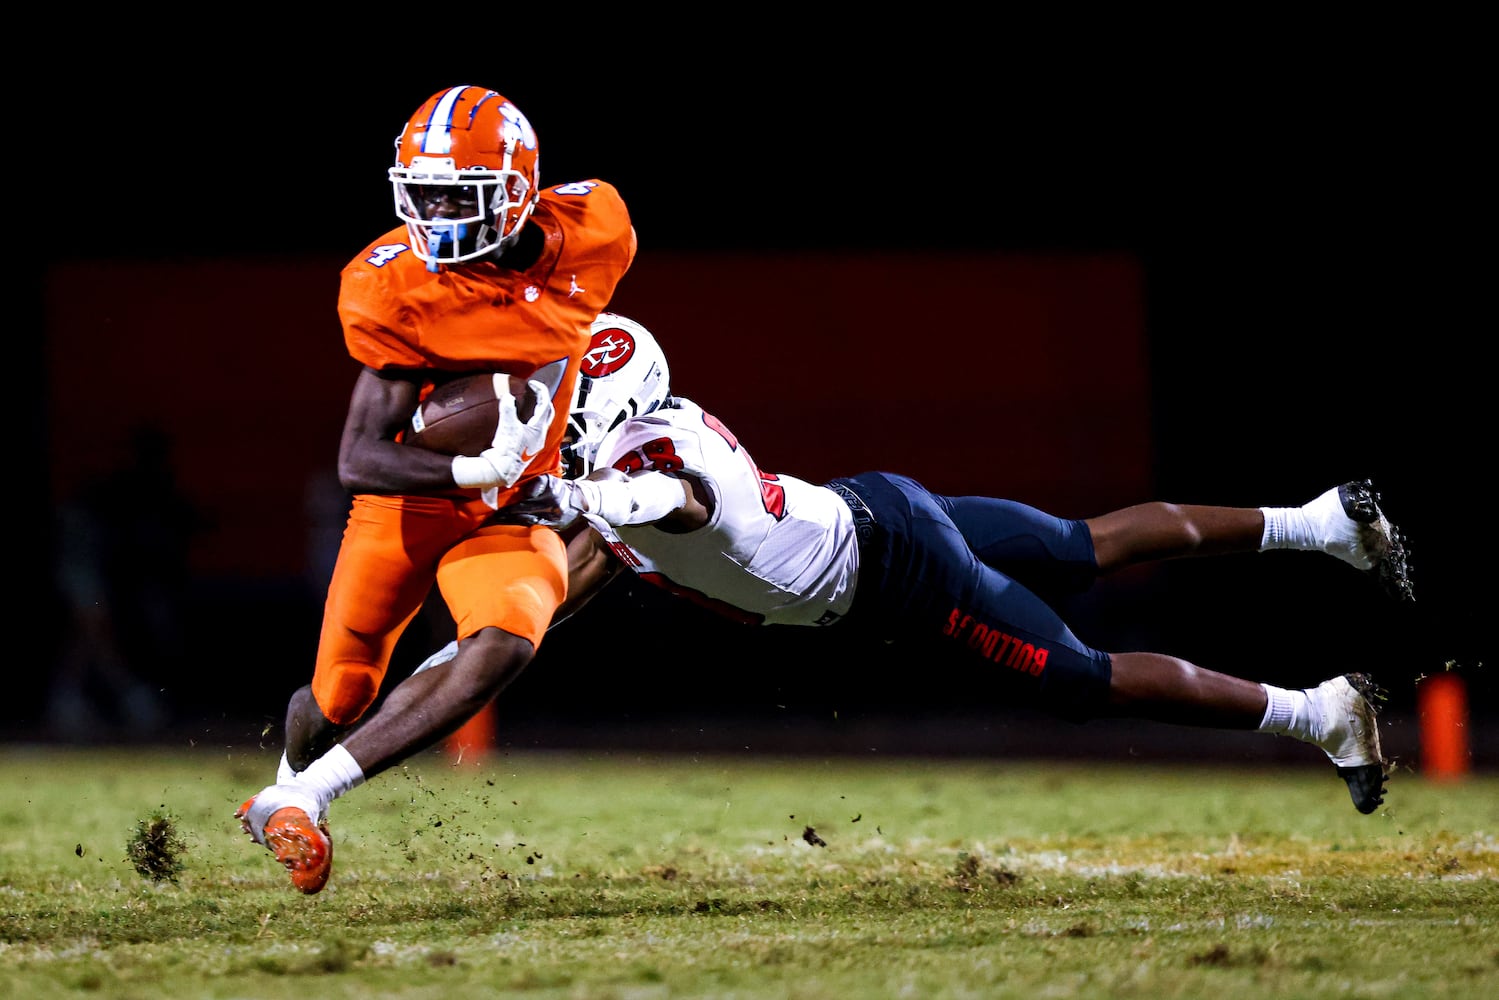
x=515 y=442
x=557 y=503
x=547 y=501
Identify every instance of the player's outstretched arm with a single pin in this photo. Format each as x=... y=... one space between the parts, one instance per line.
x=642 y=498
x=608 y=498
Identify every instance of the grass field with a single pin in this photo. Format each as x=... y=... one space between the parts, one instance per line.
x=631 y=876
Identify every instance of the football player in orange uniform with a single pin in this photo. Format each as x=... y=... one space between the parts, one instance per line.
x=487 y=273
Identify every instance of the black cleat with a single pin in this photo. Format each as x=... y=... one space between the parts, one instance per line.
x=1366 y=785
x=1349 y=734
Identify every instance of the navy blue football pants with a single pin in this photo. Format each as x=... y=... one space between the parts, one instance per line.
x=964 y=574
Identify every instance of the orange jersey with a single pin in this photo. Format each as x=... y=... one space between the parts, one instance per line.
x=479 y=316
x=467 y=317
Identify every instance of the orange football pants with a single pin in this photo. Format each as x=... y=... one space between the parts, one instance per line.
x=394 y=548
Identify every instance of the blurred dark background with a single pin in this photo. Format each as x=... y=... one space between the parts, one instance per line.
x=1079 y=274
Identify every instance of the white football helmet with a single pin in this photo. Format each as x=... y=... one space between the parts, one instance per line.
x=624 y=375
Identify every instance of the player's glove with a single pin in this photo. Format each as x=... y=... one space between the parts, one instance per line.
x=558 y=503
x=516 y=442
x=547 y=501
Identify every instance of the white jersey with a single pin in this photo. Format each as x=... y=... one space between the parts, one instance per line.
x=776 y=551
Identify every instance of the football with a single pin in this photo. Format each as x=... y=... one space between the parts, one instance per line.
x=459 y=416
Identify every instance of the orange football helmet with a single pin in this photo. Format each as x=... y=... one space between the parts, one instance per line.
x=465 y=175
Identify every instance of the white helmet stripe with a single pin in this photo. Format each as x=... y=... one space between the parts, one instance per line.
x=438 y=140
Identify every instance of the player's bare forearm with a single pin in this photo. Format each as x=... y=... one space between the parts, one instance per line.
x=376 y=466
x=370 y=460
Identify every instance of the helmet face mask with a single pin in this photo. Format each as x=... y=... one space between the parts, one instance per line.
x=578 y=458
x=465 y=176
x=624 y=374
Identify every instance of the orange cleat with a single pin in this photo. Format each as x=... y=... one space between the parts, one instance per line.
x=305 y=848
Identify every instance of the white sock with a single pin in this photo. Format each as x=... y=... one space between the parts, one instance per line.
x=1287 y=712
x=332 y=774
x=1288 y=528
x=284 y=773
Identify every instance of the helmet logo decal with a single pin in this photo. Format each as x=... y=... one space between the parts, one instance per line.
x=517 y=127
x=608 y=352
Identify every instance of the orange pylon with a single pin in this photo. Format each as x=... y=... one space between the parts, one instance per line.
x=1442 y=700
x=474 y=739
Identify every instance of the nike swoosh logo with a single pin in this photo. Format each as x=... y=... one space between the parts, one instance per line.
x=527 y=456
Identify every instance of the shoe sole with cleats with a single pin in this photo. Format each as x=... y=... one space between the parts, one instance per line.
x=303 y=847
x=1381 y=538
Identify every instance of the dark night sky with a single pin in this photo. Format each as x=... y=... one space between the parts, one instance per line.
x=1305 y=209
x=1295 y=202
x=792 y=145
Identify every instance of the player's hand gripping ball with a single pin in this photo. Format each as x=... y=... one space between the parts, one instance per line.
x=459 y=416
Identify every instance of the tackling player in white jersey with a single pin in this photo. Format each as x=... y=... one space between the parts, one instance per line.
x=670 y=492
